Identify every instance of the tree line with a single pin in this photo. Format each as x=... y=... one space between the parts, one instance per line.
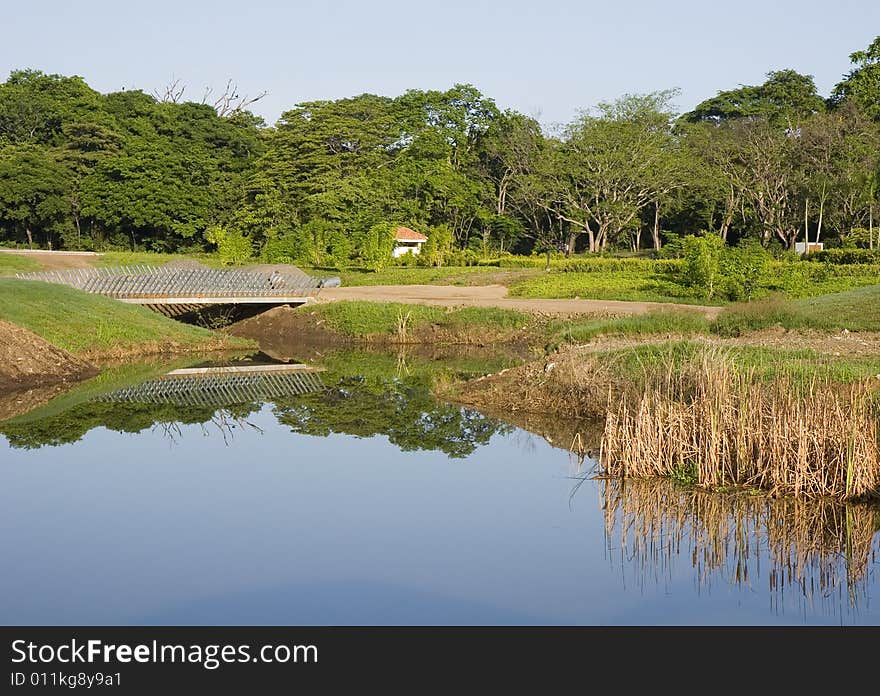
x=775 y=163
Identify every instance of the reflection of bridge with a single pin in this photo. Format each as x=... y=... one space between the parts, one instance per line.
x=176 y=290
x=219 y=387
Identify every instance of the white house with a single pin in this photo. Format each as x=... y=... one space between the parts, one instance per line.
x=407 y=241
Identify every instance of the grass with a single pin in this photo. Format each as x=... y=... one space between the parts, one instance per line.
x=677 y=323
x=643 y=285
x=854 y=310
x=82 y=323
x=399 y=275
x=646 y=280
x=358 y=319
x=10 y=264
x=645 y=362
x=145 y=258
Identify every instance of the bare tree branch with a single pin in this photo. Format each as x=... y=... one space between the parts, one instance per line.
x=172 y=94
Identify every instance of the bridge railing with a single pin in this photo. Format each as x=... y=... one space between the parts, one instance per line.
x=159 y=282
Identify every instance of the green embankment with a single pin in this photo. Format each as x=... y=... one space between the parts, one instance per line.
x=361 y=319
x=10 y=264
x=853 y=310
x=94 y=325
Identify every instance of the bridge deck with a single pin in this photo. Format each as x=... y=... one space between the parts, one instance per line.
x=163 y=285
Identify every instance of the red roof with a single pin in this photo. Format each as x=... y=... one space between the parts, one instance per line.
x=405 y=234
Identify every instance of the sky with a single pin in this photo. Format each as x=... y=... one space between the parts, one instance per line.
x=545 y=58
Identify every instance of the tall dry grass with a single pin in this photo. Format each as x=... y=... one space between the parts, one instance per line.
x=712 y=425
x=820 y=548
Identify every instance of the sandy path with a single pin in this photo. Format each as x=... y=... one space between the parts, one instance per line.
x=56 y=260
x=496 y=296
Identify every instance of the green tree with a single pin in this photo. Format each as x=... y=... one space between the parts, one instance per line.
x=34 y=195
x=786 y=97
x=862 y=84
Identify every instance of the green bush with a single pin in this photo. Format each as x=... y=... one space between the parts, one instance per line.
x=293 y=247
x=846 y=256
x=744 y=268
x=232 y=246
x=702 y=264
x=377 y=245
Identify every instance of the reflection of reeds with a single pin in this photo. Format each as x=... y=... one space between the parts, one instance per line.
x=815 y=547
x=710 y=424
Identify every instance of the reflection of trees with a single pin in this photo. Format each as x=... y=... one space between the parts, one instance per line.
x=71 y=424
x=819 y=549
x=402 y=409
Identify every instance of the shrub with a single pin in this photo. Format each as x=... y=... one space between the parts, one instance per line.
x=437 y=251
x=377 y=245
x=232 y=246
x=702 y=269
x=294 y=247
x=846 y=256
x=744 y=268
x=340 y=249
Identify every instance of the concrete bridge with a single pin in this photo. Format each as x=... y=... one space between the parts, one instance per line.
x=175 y=290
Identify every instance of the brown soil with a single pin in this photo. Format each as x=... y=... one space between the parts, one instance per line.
x=57 y=260
x=496 y=296
x=26 y=360
x=276 y=329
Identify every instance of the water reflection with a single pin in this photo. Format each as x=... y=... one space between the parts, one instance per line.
x=356 y=393
x=822 y=551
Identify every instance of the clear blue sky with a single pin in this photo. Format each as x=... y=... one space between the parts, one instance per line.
x=548 y=58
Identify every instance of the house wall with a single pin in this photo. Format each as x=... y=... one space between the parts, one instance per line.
x=402 y=248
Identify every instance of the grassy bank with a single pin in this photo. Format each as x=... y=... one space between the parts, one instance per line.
x=798 y=423
x=94 y=326
x=394 y=322
x=854 y=310
x=10 y=264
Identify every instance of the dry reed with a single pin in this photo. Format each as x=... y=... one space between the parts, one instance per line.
x=714 y=426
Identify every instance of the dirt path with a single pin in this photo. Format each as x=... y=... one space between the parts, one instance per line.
x=56 y=260
x=496 y=296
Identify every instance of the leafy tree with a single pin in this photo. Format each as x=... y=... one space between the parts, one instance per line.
x=862 y=84
x=786 y=97
x=34 y=194
x=437 y=249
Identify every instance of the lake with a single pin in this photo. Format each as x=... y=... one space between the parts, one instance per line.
x=351 y=496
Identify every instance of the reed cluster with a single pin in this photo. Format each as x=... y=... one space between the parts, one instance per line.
x=712 y=425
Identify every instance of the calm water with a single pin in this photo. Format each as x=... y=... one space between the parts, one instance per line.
x=367 y=502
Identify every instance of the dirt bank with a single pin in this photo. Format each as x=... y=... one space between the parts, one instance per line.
x=496 y=296
x=26 y=360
